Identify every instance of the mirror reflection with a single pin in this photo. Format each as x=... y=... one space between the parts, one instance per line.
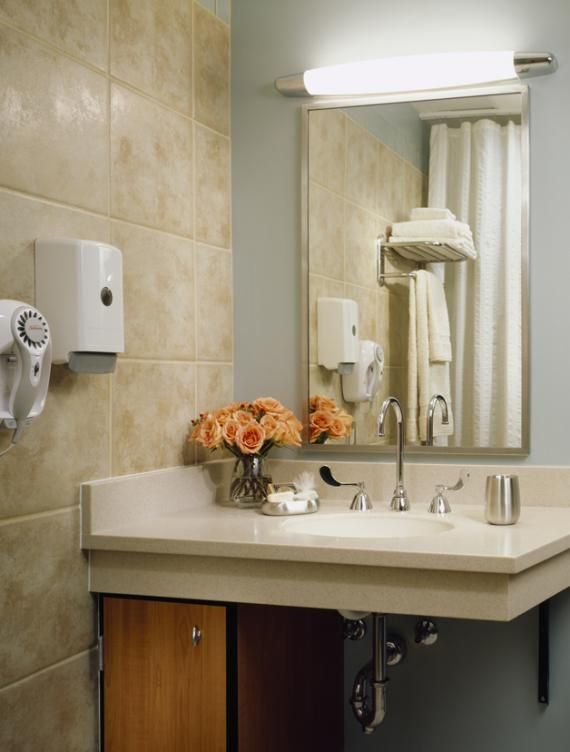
x=416 y=260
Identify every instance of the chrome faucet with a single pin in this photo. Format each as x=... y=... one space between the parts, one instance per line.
x=431 y=412
x=400 y=502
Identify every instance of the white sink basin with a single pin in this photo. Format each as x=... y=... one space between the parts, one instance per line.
x=367 y=525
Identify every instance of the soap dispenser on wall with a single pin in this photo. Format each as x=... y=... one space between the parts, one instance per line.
x=79 y=288
x=363 y=382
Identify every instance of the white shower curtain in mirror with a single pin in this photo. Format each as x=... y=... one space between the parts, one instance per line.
x=475 y=170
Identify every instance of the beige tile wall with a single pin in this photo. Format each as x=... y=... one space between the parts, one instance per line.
x=112 y=127
x=357 y=188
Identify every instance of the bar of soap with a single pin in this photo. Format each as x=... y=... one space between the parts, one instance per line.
x=278 y=496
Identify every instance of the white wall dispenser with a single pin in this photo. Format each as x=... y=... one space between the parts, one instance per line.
x=337 y=333
x=79 y=287
x=363 y=382
x=25 y=363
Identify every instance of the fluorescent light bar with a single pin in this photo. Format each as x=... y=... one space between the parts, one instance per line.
x=416 y=73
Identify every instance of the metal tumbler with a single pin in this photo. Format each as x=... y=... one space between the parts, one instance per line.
x=502 y=496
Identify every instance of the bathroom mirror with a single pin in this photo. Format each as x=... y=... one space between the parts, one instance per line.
x=441 y=294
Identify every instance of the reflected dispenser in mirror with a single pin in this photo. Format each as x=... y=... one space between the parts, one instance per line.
x=363 y=382
x=337 y=334
x=79 y=287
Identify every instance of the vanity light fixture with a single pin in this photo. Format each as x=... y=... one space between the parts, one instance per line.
x=391 y=75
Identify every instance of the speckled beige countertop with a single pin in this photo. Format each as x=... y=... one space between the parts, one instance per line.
x=163 y=534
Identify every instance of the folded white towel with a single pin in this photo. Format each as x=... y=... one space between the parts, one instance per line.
x=427 y=212
x=463 y=246
x=432 y=228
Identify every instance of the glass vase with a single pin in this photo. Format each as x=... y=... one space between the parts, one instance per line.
x=248 y=488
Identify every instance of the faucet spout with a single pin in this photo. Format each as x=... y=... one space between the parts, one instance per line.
x=431 y=412
x=400 y=502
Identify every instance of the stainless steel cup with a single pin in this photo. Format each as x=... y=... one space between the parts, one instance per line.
x=502 y=496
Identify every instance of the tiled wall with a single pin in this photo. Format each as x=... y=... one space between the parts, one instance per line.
x=114 y=125
x=357 y=188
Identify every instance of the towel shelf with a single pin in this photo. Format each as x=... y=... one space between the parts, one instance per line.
x=422 y=252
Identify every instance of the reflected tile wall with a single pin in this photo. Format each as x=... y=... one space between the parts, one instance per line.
x=357 y=187
x=97 y=123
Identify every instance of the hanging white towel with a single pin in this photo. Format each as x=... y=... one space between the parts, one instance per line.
x=428 y=212
x=438 y=322
x=425 y=378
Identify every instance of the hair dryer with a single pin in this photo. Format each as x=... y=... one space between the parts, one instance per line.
x=25 y=363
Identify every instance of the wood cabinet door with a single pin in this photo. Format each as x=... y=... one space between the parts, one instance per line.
x=162 y=693
x=289 y=679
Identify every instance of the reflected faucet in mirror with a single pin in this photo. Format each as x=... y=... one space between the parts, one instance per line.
x=400 y=501
x=431 y=413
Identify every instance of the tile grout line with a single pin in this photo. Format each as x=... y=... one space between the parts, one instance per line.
x=103 y=216
x=38 y=515
x=46 y=669
x=45 y=44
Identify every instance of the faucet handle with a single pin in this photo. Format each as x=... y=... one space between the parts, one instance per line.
x=361 y=501
x=439 y=504
x=464 y=476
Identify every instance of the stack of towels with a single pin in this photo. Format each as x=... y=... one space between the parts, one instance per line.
x=435 y=225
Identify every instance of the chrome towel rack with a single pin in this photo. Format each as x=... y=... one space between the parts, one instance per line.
x=422 y=252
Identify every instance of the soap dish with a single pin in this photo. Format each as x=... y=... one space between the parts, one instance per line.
x=292 y=506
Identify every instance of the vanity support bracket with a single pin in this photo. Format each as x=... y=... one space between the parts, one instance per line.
x=543 y=652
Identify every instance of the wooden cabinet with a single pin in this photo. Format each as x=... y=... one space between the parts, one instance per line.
x=162 y=688
x=253 y=678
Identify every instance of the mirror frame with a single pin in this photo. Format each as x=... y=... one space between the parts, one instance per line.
x=320 y=103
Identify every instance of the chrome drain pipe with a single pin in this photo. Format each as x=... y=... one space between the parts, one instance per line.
x=372 y=680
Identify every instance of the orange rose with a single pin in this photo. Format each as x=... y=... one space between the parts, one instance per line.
x=321 y=419
x=346 y=419
x=292 y=437
x=270 y=426
x=229 y=431
x=243 y=417
x=338 y=428
x=223 y=415
x=323 y=403
x=210 y=433
x=269 y=405
x=250 y=438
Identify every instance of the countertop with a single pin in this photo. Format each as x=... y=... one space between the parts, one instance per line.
x=471 y=545
x=164 y=534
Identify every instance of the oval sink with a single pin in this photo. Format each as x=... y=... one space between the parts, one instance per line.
x=367 y=525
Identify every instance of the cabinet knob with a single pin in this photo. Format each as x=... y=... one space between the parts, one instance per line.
x=196 y=635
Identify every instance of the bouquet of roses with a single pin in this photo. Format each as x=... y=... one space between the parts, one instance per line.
x=248 y=428
x=327 y=420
